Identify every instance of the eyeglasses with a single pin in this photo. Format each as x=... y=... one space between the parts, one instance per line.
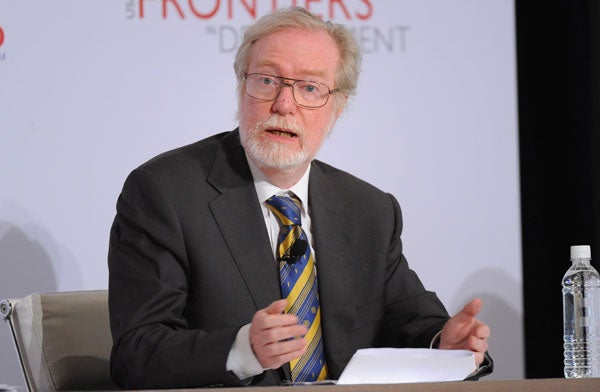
x=306 y=93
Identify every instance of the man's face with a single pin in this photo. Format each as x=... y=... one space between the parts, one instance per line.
x=280 y=134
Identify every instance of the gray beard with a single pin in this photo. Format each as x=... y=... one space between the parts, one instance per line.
x=275 y=155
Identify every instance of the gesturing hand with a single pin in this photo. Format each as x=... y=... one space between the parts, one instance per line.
x=464 y=331
x=276 y=338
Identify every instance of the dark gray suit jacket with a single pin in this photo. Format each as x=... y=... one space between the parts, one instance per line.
x=190 y=262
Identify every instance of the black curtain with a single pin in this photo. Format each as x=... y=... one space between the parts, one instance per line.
x=558 y=55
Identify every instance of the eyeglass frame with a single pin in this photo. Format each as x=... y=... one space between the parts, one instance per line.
x=283 y=84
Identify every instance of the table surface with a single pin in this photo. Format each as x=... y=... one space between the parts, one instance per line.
x=532 y=385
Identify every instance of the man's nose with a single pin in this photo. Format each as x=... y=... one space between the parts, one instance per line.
x=285 y=102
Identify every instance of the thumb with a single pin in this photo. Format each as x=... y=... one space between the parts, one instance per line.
x=471 y=309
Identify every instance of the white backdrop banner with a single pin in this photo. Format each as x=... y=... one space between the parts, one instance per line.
x=91 y=89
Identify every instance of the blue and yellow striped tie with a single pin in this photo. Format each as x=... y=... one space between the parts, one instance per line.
x=299 y=287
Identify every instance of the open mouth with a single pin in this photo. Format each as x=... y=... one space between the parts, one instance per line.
x=282 y=133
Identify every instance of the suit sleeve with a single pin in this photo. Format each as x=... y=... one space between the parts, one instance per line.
x=153 y=346
x=413 y=315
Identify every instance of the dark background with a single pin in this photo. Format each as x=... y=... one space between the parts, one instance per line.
x=558 y=55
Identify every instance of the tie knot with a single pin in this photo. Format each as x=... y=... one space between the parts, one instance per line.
x=287 y=209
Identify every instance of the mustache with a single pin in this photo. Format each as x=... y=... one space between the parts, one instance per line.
x=283 y=123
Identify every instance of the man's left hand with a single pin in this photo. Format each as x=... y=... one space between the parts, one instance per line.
x=464 y=332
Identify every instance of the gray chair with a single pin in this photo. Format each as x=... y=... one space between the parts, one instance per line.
x=63 y=339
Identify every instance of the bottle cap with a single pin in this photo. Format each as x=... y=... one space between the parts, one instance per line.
x=581 y=252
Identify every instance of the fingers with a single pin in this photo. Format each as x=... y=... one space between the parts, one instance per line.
x=479 y=347
x=272 y=316
x=465 y=332
x=476 y=344
x=276 y=338
x=479 y=357
x=272 y=356
x=472 y=340
x=482 y=331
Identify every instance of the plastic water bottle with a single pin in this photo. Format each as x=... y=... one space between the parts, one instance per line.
x=581 y=316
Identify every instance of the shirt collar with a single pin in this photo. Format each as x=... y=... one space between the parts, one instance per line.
x=264 y=189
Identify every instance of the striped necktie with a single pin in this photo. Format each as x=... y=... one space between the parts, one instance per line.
x=299 y=286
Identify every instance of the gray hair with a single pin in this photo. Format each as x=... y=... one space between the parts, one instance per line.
x=346 y=76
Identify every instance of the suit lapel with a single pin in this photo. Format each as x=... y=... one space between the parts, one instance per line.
x=335 y=266
x=239 y=217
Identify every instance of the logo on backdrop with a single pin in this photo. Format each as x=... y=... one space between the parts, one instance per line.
x=356 y=14
x=2 y=54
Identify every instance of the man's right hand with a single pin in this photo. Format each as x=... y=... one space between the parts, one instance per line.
x=275 y=337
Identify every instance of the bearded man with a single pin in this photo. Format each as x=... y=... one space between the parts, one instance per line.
x=243 y=260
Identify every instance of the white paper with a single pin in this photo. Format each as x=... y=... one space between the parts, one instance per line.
x=402 y=365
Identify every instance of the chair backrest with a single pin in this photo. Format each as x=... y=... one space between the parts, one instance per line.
x=63 y=339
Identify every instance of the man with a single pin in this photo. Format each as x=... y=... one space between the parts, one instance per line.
x=202 y=249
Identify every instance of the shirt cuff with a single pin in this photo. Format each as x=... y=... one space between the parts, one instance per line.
x=241 y=359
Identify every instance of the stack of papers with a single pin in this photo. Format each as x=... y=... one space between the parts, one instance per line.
x=402 y=365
